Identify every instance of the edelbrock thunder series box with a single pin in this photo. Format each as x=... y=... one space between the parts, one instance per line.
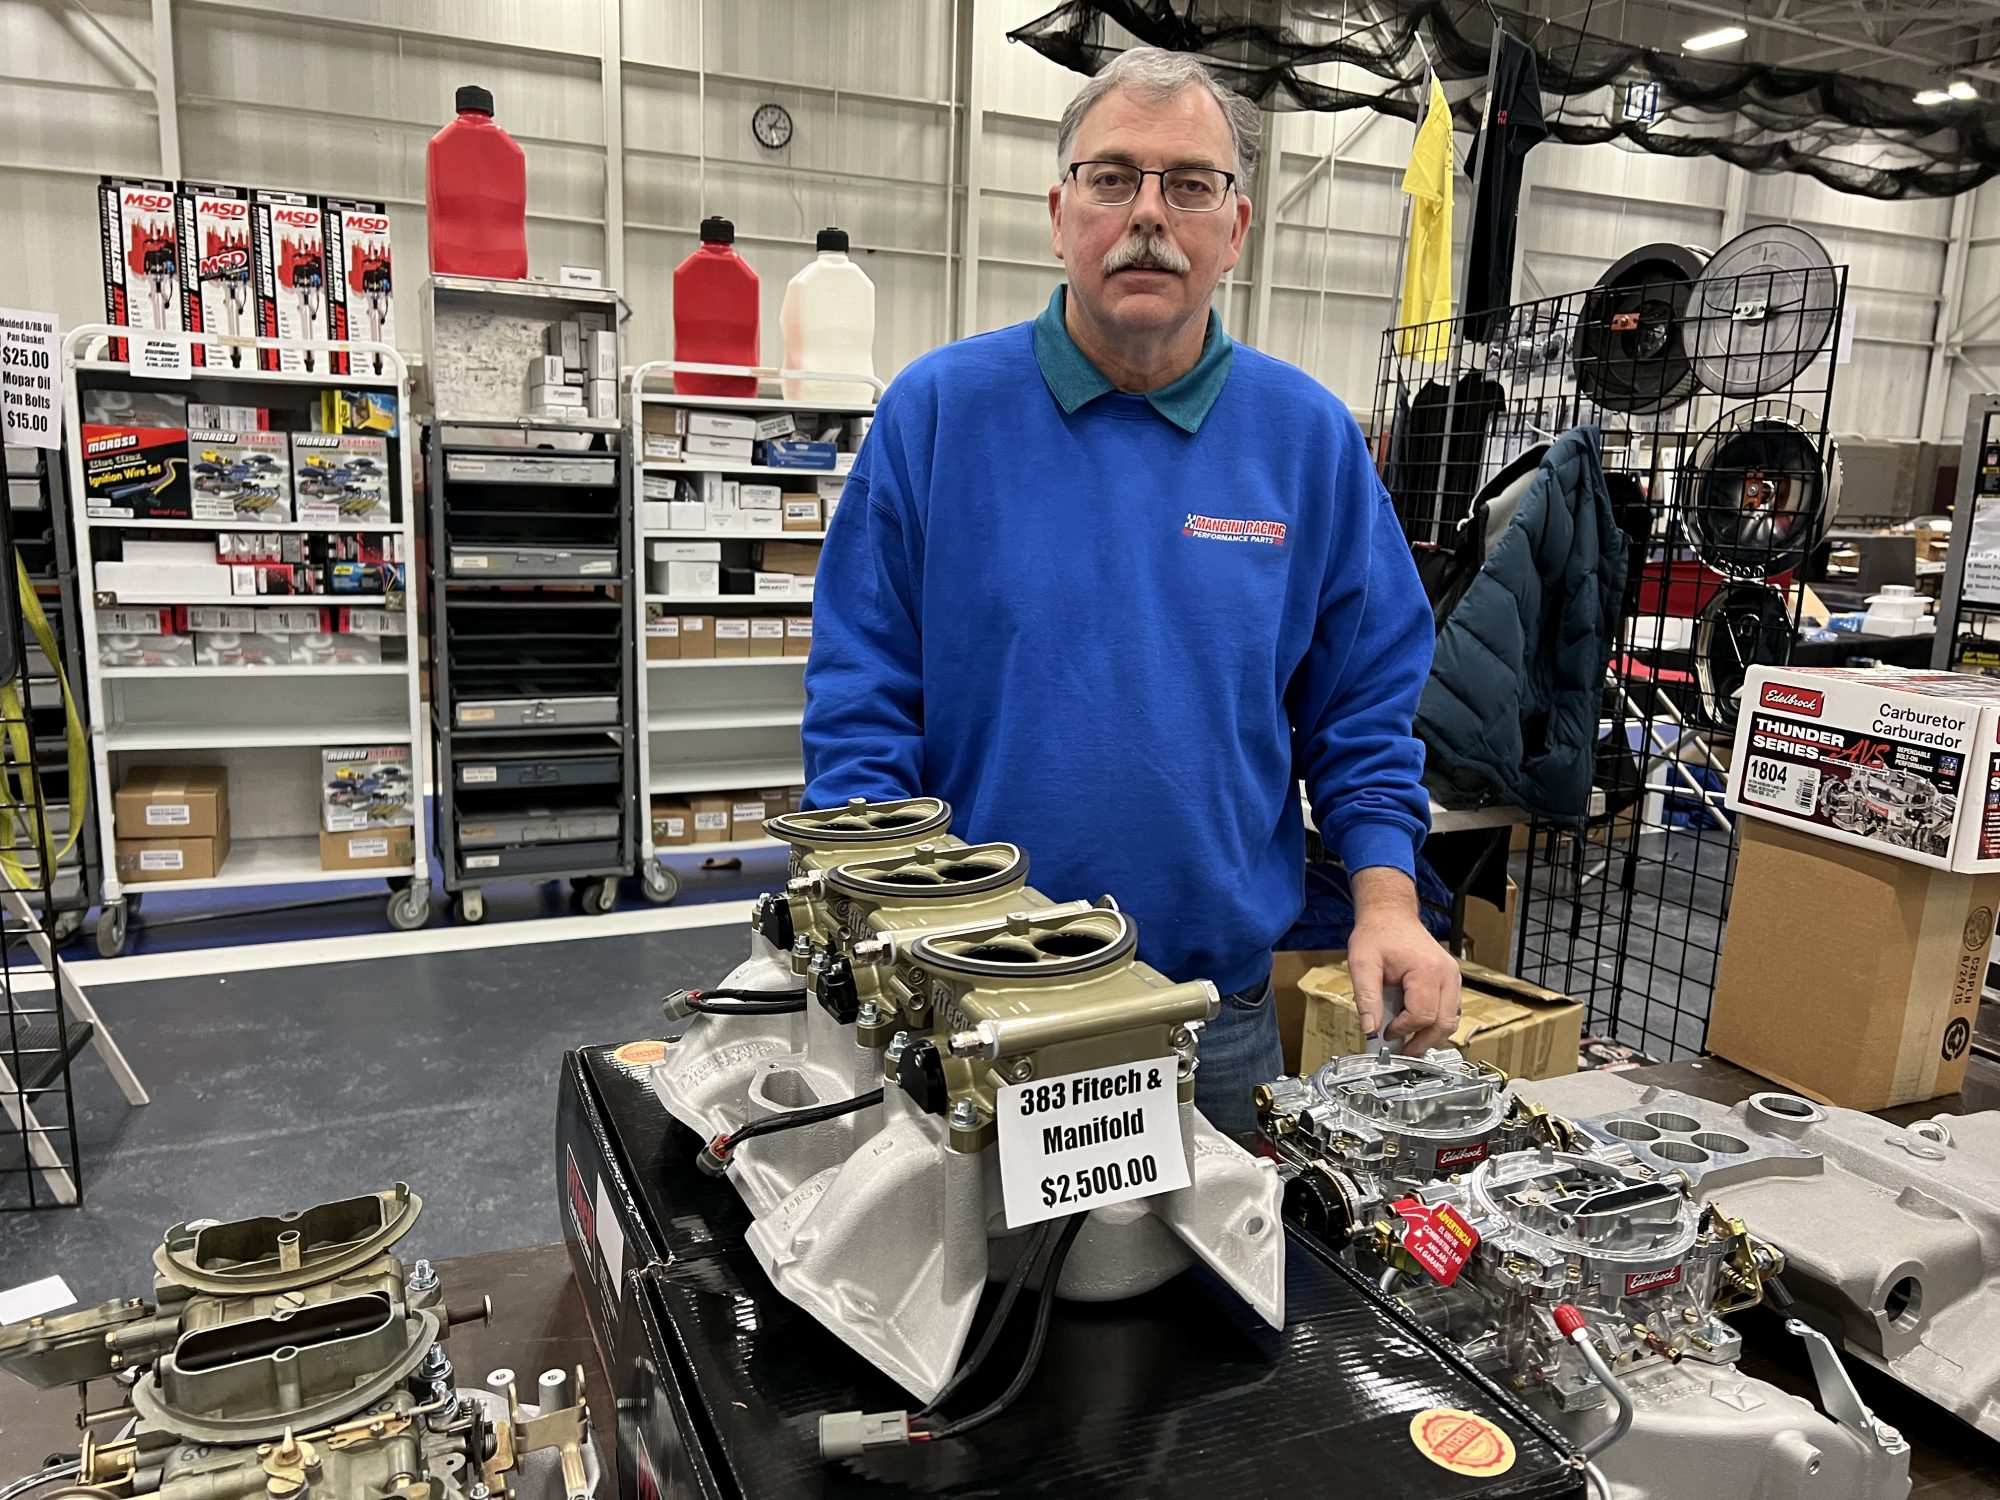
x=1902 y=762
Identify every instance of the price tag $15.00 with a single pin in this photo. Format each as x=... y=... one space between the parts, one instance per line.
x=1086 y=1140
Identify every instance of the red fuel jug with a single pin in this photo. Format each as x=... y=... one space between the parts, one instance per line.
x=715 y=313
x=476 y=188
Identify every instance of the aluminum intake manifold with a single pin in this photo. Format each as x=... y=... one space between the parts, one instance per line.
x=932 y=971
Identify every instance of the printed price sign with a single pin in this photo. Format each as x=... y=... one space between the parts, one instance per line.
x=1085 y=1140
x=30 y=379
x=1438 y=1239
x=163 y=355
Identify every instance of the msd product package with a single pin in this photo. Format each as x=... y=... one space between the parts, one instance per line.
x=341 y=478
x=219 y=288
x=139 y=234
x=1899 y=761
x=288 y=243
x=359 y=302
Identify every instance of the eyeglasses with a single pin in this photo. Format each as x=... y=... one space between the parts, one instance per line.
x=1113 y=184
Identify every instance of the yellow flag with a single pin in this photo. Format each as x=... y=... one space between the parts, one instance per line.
x=1427 y=266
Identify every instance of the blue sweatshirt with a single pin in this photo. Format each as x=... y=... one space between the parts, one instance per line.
x=1119 y=635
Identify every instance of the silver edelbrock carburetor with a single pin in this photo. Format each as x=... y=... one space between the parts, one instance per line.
x=1486 y=1214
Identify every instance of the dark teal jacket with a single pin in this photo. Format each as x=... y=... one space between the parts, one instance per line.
x=1517 y=683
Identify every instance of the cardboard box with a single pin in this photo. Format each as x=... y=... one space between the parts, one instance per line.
x=172 y=802
x=673 y=823
x=697 y=637
x=732 y=636
x=240 y=476
x=802 y=513
x=692 y=579
x=776 y=800
x=663 y=635
x=159 y=620
x=727 y=450
x=761 y=522
x=767 y=635
x=746 y=816
x=759 y=496
x=779 y=454
x=341 y=477
x=566 y=343
x=798 y=558
x=1878 y=758
x=1520 y=1028
x=360 y=277
x=288 y=246
x=372 y=850
x=1287 y=969
x=366 y=787
x=1850 y=975
x=140 y=861
x=600 y=355
x=711 y=818
x=136 y=473
x=1489 y=929
x=687 y=515
x=798 y=635
x=721 y=424
x=771 y=586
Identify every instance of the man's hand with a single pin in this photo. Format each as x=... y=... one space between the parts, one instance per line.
x=1389 y=943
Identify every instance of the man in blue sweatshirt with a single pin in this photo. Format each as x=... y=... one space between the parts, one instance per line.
x=1111 y=586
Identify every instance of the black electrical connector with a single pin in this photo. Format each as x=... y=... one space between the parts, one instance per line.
x=836 y=990
x=921 y=1073
x=772 y=917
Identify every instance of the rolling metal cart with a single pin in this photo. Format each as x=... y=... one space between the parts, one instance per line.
x=40 y=516
x=531 y=642
x=266 y=724
x=728 y=724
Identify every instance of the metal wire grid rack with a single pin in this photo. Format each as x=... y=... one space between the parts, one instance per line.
x=1712 y=391
x=47 y=1019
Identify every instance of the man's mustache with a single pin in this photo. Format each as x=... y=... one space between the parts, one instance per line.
x=1153 y=252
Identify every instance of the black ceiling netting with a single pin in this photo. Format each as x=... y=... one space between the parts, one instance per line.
x=1851 y=133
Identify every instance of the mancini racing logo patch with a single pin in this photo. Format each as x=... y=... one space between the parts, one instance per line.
x=1231 y=529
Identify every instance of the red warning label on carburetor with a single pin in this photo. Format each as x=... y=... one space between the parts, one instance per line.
x=1438 y=1239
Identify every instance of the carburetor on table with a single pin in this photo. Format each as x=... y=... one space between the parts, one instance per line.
x=292 y=1355
x=1366 y=1129
x=847 y=1077
x=1651 y=1270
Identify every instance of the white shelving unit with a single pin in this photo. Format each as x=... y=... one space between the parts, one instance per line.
x=727 y=725
x=266 y=724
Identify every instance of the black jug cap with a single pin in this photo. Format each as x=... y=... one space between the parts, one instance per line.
x=473 y=98
x=717 y=231
x=833 y=239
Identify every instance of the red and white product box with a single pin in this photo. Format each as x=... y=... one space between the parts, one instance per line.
x=288 y=242
x=1898 y=761
x=139 y=235
x=359 y=303
x=218 y=291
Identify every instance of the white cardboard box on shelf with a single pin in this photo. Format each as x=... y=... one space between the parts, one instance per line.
x=687 y=515
x=703 y=579
x=760 y=497
x=1902 y=762
x=762 y=522
x=772 y=586
x=720 y=424
x=728 y=450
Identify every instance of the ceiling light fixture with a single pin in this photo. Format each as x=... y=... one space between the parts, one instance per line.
x=1930 y=98
x=1958 y=88
x=1722 y=36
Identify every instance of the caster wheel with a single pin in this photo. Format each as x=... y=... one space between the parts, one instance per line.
x=66 y=926
x=660 y=884
x=601 y=895
x=111 y=928
x=409 y=909
x=469 y=907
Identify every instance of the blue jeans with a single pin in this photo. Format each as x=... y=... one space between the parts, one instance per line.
x=1239 y=1050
